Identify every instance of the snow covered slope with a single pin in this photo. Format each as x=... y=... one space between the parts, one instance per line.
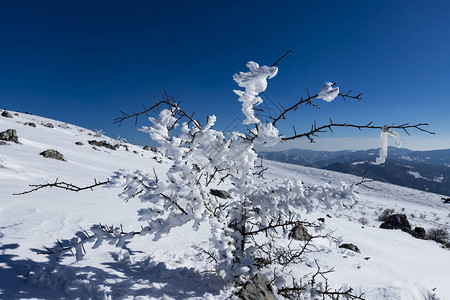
x=392 y=264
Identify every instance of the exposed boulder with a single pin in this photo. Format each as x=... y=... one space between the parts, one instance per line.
x=50 y=153
x=79 y=143
x=220 y=193
x=396 y=221
x=257 y=289
x=49 y=125
x=6 y=114
x=300 y=233
x=30 y=124
x=104 y=144
x=351 y=247
x=146 y=147
x=154 y=149
x=9 y=135
x=420 y=233
x=2 y=143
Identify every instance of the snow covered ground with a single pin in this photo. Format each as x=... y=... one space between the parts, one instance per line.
x=392 y=264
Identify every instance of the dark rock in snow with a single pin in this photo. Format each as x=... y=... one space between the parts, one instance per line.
x=350 y=247
x=79 y=143
x=49 y=125
x=50 y=153
x=6 y=114
x=196 y=168
x=146 y=147
x=257 y=289
x=220 y=193
x=396 y=221
x=154 y=149
x=420 y=233
x=9 y=135
x=321 y=220
x=30 y=124
x=2 y=143
x=300 y=233
x=104 y=144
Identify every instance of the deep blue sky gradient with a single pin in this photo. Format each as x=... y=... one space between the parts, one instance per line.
x=83 y=61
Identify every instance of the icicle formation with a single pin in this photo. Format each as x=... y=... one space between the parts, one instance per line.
x=384 y=143
x=254 y=82
x=328 y=92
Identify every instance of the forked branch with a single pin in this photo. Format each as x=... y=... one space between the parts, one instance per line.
x=63 y=185
x=329 y=127
x=309 y=101
x=166 y=100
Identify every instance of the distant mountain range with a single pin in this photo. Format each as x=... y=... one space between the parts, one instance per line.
x=422 y=170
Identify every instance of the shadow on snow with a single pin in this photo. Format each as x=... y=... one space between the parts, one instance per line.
x=25 y=278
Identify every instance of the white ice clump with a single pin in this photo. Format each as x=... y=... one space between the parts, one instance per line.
x=384 y=143
x=328 y=92
x=254 y=82
x=267 y=135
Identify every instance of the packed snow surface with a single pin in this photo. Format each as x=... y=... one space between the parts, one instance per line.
x=392 y=264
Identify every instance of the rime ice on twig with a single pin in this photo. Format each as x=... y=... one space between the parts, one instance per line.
x=254 y=82
x=328 y=92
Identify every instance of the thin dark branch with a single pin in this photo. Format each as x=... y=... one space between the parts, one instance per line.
x=275 y=63
x=165 y=101
x=62 y=185
x=315 y=130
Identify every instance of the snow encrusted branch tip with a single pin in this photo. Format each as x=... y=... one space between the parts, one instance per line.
x=253 y=82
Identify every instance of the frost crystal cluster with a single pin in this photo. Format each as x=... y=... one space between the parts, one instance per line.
x=254 y=82
x=328 y=92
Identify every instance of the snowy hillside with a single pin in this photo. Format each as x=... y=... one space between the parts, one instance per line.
x=392 y=264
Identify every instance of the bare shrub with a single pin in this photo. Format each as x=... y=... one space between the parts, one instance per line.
x=363 y=221
x=439 y=235
x=385 y=213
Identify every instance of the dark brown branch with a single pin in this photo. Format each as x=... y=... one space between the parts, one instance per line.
x=275 y=63
x=315 y=130
x=62 y=185
x=294 y=107
x=166 y=101
x=308 y=100
x=174 y=202
x=364 y=180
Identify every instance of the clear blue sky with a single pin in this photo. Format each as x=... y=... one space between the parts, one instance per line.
x=83 y=61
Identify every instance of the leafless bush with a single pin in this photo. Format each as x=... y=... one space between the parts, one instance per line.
x=385 y=213
x=439 y=235
x=363 y=221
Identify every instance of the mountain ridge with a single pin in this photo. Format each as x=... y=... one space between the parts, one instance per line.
x=422 y=170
